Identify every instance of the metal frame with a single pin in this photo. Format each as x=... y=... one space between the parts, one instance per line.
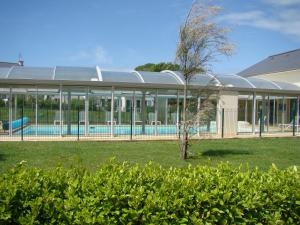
x=112 y=94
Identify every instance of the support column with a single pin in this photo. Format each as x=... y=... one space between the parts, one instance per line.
x=16 y=107
x=10 y=112
x=277 y=111
x=274 y=112
x=198 y=114
x=253 y=113
x=143 y=106
x=177 y=112
x=119 y=110
x=134 y=112
x=112 y=113
x=246 y=110
x=166 y=111
x=268 y=113
x=86 y=113
x=60 y=112
x=36 y=112
x=69 y=113
x=219 y=117
x=282 y=114
x=156 y=112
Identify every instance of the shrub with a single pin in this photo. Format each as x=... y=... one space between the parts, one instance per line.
x=126 y=194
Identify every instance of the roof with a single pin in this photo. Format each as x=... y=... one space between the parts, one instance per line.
x=282 y=62
x=8 y=64
x=95 y=76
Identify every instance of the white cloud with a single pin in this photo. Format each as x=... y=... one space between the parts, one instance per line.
x=283 y=2
x=97 y=55
x=285 y=20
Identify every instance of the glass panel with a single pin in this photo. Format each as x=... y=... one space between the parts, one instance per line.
x=4 y=111
x=203 y=80
x=114 y=76
x=123 y=112
x=158 y=78
x=100 y=112
x=233 y=81
x=48 y=114
x=23 y=111
x=4 y=72
x=165 y=109
x=287 y=86
x=289 y=113
x=73 y=111
x=37 y=73
x=76 y=73
x=262 y=84
x=261 y=113
x=245 y=107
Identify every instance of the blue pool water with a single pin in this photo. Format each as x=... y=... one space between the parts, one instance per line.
x=105 y=129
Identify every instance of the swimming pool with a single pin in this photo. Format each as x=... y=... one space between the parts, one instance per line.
x=44 y=130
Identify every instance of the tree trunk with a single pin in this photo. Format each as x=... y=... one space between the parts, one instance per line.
x=184 y=140
x=184 y=146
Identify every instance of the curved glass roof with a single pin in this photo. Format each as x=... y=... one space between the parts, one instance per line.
x=63 y=75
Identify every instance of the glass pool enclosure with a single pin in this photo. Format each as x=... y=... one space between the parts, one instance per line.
x=83 y=102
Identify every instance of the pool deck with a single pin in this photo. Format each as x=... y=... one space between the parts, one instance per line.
x=138 y=137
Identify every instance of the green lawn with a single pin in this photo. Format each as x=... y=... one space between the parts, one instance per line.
x=283 y=152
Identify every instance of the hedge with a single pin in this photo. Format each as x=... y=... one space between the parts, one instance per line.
x=120 y=193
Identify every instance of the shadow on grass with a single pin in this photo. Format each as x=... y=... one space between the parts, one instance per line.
x=2 y=157
x=223 y=153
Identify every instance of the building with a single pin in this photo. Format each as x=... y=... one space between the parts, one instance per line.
x=11 y=64
x=283 y=67
x=89 y=102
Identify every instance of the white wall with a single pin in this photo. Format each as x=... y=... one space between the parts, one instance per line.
x=288 y=76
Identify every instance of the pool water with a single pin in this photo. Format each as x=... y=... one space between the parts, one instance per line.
x=106 y=129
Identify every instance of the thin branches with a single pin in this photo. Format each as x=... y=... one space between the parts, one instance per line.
x=201 y=40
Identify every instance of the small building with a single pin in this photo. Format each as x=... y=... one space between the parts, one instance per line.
x=283 y=67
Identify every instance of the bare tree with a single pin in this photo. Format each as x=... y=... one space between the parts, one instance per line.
x=201 y=40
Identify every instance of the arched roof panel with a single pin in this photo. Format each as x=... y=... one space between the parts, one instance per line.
x=158 y=78
x=204 y=80
x=120 y=76
x=76 y=73
x=262 y=84
x=4 y=72
x=31 y=73
x=233 y=81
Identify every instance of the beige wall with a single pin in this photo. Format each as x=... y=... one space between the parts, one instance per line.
x=228 y=100
x=289 y=77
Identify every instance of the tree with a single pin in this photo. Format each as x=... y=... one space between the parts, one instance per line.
x=158 y=67
x=201 y=40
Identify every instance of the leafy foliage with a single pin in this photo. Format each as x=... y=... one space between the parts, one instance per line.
x=125 y=194
x=151 y=67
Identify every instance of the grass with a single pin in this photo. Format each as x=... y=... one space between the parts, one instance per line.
x=284 y=152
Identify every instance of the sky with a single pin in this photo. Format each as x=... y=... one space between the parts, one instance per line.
x=124 y=34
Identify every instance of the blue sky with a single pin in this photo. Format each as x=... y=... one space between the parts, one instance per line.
x=125 y=34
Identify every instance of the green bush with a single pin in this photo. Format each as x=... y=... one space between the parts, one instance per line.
x=126 y=194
